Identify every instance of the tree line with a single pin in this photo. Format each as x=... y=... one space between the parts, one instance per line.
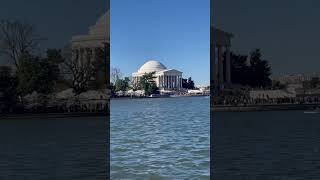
x=146 y=83
x=252 y=70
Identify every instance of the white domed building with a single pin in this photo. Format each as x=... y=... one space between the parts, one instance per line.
x=166 y=79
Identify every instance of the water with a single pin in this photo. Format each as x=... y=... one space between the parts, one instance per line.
x=68 y=148
x=164 y=138
x=266 y=145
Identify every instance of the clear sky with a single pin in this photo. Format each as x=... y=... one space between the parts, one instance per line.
x=55 y=20
x=287 y=31
x=174 y=32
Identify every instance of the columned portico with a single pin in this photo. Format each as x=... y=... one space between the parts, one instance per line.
x=220 y=43
x=167 y=81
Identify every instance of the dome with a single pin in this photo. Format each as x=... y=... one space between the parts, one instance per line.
x=103 y=19
x=102 y=25
x=151 y=66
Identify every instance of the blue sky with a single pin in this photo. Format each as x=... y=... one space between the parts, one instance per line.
x=174 y=32
x=287 y=31
x=56 y=21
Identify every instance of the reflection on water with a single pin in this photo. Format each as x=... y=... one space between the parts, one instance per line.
x=266 y=145
x=165 y=138
x=70 y=148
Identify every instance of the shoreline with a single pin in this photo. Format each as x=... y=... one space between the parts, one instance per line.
x=215 y=108
x=52 y=115
x=146 y=97
x=263 y=107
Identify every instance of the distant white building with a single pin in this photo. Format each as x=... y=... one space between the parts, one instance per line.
x=166 y=79
x=294 y=78
x=272 y=94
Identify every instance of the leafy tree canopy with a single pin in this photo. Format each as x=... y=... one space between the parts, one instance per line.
x=148 y=84
x=38 y=74
x=188 y=83
x=255 y=73
x=122 y=84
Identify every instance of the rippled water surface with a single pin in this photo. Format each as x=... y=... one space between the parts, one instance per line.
x=67 y=148
x=266 y=145
x=164 y=138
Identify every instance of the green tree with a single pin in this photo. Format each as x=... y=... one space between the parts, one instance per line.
x=112 y=89
x=188 y=83
x=148 y=84
x=255 y=73
x=38 y=74
x=260 y=70
x=122 y=84
x=240 y=71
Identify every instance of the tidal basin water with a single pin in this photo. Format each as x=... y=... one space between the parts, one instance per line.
x=266 y=145
x=62 y=148
x=160 y=138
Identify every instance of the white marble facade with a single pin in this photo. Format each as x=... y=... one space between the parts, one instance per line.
x=166 y=79
x=220 y=43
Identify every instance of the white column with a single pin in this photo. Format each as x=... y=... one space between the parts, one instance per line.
x=214 y=65
x=228 y=65
x=162 y=81
x=175 y=81
x=172 y=77
x=220 y=65
x=172 y=82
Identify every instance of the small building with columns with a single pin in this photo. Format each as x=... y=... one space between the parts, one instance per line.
x=165 y=79
x=220 y=42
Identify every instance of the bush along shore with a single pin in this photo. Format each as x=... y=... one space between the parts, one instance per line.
x=244 y=103
x=64 y=103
